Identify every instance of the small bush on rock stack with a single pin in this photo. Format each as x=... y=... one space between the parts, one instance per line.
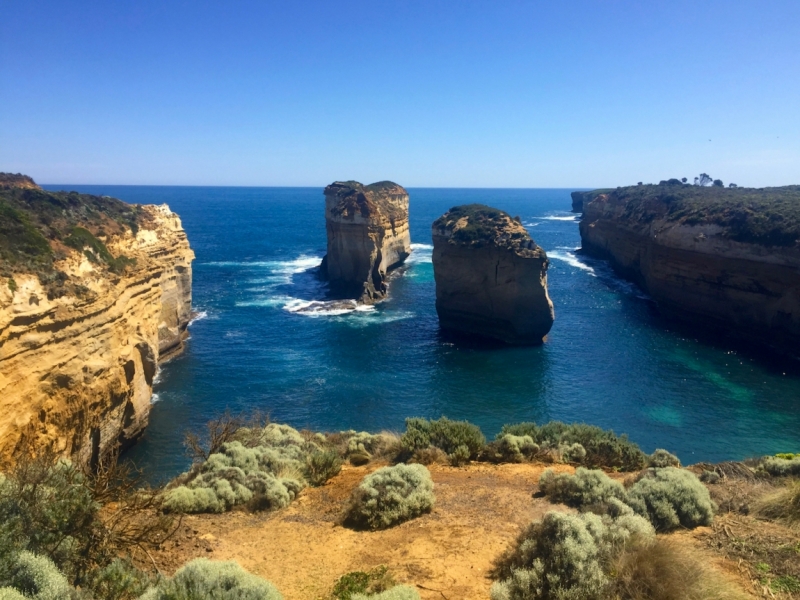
x=585 y=488
x=670 y=498
x=203 y=579
x=460 y=440
x=390 y=496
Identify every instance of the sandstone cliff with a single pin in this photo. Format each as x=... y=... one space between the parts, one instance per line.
x=491 y=277
x=368 y=236
x=579 y=199
x=94 y=292
x=722 y=258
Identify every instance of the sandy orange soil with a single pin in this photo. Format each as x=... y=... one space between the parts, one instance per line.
x=448 y=553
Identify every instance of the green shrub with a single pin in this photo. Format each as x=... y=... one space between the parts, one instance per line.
x=460 y=440
x=584 y=488
x=564 y=556
x=38 y=578
x=12 y=285
x=780 y=467
x=661 y=458
x=262 y=468
x=603 y=448
x=670 y=498
x=363 y=582
x=572 y=453
x=710 y=477
x=399 y=592
x=390 y=496
x=321 y=465
x=119 y=580
x=516 y=448
x=203 y=579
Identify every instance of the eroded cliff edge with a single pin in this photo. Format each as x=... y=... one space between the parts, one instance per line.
x=714 y=257
x=94 y=292
x=368 y=236
x=491 y=277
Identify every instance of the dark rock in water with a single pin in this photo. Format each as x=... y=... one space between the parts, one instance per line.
x=368 y=236
x=491 y=277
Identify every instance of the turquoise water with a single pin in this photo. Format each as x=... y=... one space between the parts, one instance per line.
x=609 y=359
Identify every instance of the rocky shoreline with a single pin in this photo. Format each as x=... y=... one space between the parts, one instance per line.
x=78 y=357
x=724 y=259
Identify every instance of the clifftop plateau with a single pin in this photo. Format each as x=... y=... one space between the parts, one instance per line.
x=491 y=277
x=368 y=236
x=725 y=258
x=93 y=293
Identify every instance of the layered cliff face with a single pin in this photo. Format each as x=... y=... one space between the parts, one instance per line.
x=368 y=236
x=579 y=199
x=722 y=258
x=94 y=292
x=491 y=277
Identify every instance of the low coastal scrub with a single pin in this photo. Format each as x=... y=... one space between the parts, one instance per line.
x=602 y=448
x=585 y=488
x=367 y=583
x=668 y=497
x=783 y=506
x=671 y=498
x=61 y=523
x=589 y=557
x=262 y=467
x=390 y=496
x=203 y=578
x=782 y=465
x=565 y=556
x=460 y=440
x=661 y=458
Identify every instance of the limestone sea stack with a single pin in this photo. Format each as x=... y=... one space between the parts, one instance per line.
x=491 y=277
x=94 y=292
x=713 y=257
x=368 y=236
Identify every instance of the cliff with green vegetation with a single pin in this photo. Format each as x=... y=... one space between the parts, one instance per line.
x=725 y=258
x=93 y=293
x=368 y=236
x=491 y=277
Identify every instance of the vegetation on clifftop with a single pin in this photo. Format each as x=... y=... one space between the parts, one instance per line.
x=38 y=228
x=479 y=225
x=764 y=216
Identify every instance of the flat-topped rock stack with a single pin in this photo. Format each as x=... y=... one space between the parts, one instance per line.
x=491 y=277
x=368 y=236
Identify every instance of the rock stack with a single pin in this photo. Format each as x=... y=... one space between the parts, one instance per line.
x=368 y=236
x=491 y=277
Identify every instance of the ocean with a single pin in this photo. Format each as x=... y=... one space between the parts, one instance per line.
x=610 y=359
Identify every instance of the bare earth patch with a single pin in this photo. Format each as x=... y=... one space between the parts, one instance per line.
x=448 y=553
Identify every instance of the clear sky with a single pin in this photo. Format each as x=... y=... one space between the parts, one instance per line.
x=426 y=93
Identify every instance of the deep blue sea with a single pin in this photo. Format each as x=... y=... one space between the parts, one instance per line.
x=609 y=360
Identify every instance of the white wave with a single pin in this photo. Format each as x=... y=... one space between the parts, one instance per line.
x=330 y=308
x=154 y=398
x=298 y=265
x=554 y=218
x=199 y=316
x=420 y=254
x=571 y=260
x=531 y=224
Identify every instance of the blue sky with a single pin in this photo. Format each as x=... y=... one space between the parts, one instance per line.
x=460 y=93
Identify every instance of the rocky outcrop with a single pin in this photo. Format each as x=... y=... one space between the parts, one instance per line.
x=719 y=258
x=77 y=363
x=368 y=236
x=491 y=277
x=579 y=199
